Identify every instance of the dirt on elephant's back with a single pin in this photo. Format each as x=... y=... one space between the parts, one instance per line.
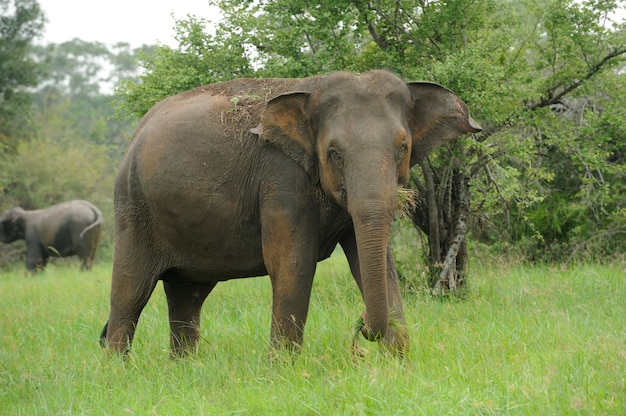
x=248 y=96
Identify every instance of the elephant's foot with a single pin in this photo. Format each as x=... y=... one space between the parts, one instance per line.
x=182 y=352
x=280 y=343
x=117 y=339
x=103 y=335
x=184 y=349
x=185 y=341
x=283 y=349
x=117 y=348
x=395 y=341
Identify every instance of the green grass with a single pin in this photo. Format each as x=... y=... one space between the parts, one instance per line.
x=523 y=341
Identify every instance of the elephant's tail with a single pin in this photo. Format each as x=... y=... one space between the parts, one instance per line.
x=98 y=221
x=103 y=335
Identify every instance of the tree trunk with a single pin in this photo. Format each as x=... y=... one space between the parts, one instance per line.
x=442 y=214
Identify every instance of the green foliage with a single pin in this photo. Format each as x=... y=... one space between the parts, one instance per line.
x=525 y=341
x=77 y=88
x=45 y=171
x=76 y=146
x=200 y=59
x=57 y=140
x=295 y=38
x=21 y=21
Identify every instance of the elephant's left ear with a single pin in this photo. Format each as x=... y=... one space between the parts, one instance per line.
x=286 y=124
x=438 y=115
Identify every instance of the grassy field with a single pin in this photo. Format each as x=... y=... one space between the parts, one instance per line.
x=523 y=341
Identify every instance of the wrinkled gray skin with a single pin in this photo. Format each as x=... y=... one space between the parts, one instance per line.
x=216 y=186
x=62 y=230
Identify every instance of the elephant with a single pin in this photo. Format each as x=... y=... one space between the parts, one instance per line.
x=256 y=177
x=66 y=229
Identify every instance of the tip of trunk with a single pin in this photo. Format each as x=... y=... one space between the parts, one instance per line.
x=374 y=331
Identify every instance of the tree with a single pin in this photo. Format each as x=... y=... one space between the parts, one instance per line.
x=79 y=80
x=74 y=151
x=512 y=62
x=569 y=164
x=21 y=21
x=194 y=63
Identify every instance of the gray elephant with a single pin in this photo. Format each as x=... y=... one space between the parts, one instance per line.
x=62 y=230
x=266 y=176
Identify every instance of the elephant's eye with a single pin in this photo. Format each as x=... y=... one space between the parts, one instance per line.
x=401 y=152
x=335 y=157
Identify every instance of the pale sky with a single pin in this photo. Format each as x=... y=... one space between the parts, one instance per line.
x=136 y=22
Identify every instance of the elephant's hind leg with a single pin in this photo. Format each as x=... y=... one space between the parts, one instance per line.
x=130 y=292
x=86 y=263
x=87 y=260
x=87 y=248
x=184 y=302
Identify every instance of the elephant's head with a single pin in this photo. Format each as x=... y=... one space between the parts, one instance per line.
x=12 y=225
x=358 y=136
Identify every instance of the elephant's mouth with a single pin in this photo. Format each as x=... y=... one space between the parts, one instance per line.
x=343 y=192
x=339 y=193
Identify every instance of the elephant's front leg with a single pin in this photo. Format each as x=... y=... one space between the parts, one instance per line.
x=396 y=338
x=35 y=256
x=184 y=303
x=290 y=258
x=290 y=304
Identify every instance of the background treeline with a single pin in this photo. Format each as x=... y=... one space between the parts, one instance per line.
x=545 y=181
x=58 y=137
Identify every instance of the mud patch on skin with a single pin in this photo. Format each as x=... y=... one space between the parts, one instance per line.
x=248 y=98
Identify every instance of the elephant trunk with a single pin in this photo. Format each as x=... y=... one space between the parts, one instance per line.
x=372 y=216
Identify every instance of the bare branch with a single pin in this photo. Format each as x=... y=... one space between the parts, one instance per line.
x=433 y=211
x=552 y=98
x=449 y=269
x=379 y=39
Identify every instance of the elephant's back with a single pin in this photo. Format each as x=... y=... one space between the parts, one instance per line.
x=183 y=141
x=60 y=225
x=239 y=104
x=201 y=132
x=178 y=176
x=76 y=210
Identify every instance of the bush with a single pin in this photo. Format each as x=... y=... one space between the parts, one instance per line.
x=44 y=172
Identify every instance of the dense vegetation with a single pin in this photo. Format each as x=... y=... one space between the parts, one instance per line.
x=58 y=137
x=544 y=181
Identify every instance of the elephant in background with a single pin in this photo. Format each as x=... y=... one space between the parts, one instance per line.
x=62 y=230
x=256 y=177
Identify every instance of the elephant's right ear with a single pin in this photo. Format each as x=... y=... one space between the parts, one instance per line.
x=286 y=124
x=438 y=115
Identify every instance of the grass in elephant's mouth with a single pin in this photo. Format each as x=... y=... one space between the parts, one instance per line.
x=406 y=201
x=523 y=341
